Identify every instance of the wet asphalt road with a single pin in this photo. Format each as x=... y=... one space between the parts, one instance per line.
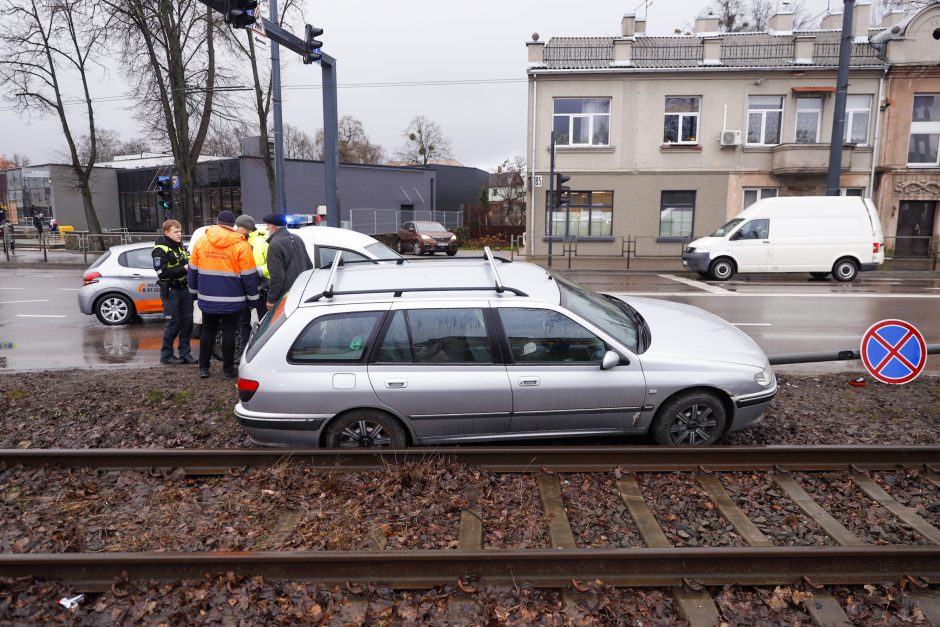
x=783 y=313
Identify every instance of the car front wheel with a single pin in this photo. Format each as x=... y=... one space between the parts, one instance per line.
x=416 y=249
x=365 y=429
x=690 y=419
x=451 y=252
x=114 y=309
x=721 y=269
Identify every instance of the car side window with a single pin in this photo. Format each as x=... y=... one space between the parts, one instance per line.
x=326 y=255
x=545 y=336
x=436 y=336
x=755 y=229
x=335 y=338
x=140 y=258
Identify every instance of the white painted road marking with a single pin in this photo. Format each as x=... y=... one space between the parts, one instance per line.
x=12 y=288
x=697 y=284
x=751 y=324
x=13 y=302
x=37 y=316
x=67 y=289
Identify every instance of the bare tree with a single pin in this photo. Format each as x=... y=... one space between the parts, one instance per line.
x=109 y=145
x=21 y=160
x=354 y=144
x=168 y=48
x=224 y=137
x=735 y=16
x=510 y=189
x=45 y=45
x=425 y=142
x=299 y=145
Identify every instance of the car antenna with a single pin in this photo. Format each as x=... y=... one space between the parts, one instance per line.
x=328 y=292
x=489 y=259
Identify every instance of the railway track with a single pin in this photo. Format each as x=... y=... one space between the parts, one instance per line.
x=850 y=559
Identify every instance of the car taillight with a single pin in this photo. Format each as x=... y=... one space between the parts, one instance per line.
x=91 y=277
x=246 y=389
x=875 y=247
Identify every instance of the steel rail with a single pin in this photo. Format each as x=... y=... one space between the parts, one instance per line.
x=504 y=459
x=545 y=567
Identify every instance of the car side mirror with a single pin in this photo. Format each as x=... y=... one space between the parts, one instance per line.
x=735 y=237
x=612 y=360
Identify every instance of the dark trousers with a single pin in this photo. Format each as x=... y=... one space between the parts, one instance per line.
x=210 y=326
x=178 y=312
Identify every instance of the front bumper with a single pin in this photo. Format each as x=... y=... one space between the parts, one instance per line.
x=437 y=247
x=697 y=262
x=749 y=408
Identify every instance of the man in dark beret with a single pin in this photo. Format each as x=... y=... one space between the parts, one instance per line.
x=287 y=257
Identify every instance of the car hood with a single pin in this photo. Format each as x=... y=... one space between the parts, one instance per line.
x=686 y=332
x=704 y=242
x=436 y=233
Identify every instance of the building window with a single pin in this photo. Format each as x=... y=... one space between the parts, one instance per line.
x=764 y=114
x=589 y=214
x=852 y=191
x=925 y=130
x=676 y=210
x=681 y=122
x=753 y=194
x=808 y=113
x=582 y=121
x=857 y=114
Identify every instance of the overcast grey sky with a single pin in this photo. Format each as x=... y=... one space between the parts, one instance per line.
x=461 y=64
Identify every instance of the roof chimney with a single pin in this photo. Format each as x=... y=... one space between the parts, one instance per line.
x=536 y=50
x=832 y=20
x=706 y=24
x=628 y=25
x=803 y=49
x=892 y=18
x=781 y=23
x=711 y=51
x=640 y=26
x=861 y=18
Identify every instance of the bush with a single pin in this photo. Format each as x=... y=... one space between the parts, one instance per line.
x=495 y=242
x=463 y=235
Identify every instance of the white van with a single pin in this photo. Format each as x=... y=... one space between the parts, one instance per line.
x=815 y=234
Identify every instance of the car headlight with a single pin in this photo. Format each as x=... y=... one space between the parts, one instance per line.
x=426 y=238
x=453 y=237
x=699 y=250
x=765 y=377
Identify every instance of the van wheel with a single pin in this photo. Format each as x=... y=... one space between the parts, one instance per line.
x=721 y=269
x=819 y=276
x=115 y=309
x=365 y=428
x=690 y=419
x=845 y=270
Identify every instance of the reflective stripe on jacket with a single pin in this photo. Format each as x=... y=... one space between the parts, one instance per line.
x=222 y=272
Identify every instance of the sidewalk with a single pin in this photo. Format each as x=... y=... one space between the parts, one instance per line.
x=59 y=258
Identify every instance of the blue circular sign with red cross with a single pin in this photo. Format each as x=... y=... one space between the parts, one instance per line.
x=893 y=351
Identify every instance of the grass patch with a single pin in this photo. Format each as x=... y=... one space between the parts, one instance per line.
x=155 y=396
x=183 y=397
x=16 y=395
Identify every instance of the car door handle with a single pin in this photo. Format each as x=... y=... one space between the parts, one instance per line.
x=396 y=383
x=135 y=276
x=528 y=381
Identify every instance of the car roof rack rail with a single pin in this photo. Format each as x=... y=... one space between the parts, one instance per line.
x=403 y=261
x=328 y=292
x=489 y=259
x=398 y=291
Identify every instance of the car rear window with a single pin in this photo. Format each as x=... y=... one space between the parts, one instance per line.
x=339 y=337
x=100 y=260
x=271 y=322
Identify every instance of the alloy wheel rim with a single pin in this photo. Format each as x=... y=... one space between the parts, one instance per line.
x=693 y=425
x=364 y=434
x=114 y=310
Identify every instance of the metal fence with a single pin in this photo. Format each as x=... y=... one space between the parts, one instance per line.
x=378 y=221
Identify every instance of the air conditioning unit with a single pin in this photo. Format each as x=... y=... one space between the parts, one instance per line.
x=730 y=138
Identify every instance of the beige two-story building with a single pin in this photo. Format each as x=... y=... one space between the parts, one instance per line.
x=664 y=138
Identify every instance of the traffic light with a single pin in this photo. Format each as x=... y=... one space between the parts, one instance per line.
x=240 y=13
x=312 y=54
x=165 y=193
x=562 y=191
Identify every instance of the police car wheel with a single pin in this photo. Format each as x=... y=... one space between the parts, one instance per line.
x=114 y=309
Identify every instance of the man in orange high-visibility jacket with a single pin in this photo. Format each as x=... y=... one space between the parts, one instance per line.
x=224 y=279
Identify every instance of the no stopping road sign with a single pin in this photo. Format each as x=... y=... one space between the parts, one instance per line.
x=893 y=351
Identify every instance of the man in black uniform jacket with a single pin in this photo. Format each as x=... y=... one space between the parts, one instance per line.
x=170 y=260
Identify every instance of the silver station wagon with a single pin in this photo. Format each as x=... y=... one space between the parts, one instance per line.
x=484 y=350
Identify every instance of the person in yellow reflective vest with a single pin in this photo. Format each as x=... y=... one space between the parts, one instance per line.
x=258 y=240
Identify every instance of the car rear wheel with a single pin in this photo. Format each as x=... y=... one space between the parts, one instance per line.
x=721 y=269
x=690 y=419
x=365 y=429
x=416 y=249
x=845 y=270
x=819 y=275
x=115 y=309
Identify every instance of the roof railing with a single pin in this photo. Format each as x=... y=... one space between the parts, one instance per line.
x=328 y=292
x=489 y=259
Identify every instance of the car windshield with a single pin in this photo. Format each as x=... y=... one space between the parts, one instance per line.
x=606 y=314
x=724 y=230
x=429 y=226
x=382 y=252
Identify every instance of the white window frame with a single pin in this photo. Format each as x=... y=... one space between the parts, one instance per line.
x=590 y=117
x=763 y=119
x=850 y=113
x=923 y=128
x=796 y=118
x=762 y=193
x=681 y=116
